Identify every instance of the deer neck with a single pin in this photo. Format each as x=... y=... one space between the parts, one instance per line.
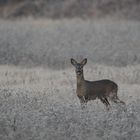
x=80 y=80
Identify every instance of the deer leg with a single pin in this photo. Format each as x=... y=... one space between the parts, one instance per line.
x=83 y=102
x=83 y=105
x=108 y=104
x=117 y=100
x=105 y=102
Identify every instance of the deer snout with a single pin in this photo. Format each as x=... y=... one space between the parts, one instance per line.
x=79 y=71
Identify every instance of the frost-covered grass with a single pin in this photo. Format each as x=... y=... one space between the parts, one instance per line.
x=41 y=104
x=52 y=42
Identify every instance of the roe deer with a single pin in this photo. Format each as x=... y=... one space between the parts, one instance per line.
x=90 y=90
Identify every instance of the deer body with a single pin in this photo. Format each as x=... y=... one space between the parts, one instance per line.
x=90 y=90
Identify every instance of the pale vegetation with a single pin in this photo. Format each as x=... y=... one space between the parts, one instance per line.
x=40 y=103
x=38 y=83
x=52 y=43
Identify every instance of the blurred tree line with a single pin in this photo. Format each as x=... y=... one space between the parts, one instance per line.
x=70 y=8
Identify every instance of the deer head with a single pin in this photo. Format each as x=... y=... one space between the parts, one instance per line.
x=78 y=66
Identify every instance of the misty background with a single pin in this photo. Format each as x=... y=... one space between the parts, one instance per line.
x=50 y=32
x=128 y=9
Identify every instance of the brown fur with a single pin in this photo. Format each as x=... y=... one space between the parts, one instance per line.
x=90 y=90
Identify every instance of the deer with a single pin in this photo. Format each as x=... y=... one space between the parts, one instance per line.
x=104 y=90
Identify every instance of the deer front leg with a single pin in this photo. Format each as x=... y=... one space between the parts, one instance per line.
x=83 y=101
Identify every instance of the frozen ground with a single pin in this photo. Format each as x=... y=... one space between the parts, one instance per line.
x=41 y=104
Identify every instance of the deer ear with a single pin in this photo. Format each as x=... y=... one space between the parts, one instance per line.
x=84 y=61
x=73 y=62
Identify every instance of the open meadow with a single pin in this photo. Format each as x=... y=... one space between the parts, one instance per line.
x=38 y=83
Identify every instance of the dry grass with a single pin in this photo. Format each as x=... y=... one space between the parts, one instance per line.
x=40 y=103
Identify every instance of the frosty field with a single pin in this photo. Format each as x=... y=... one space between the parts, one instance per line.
x=41 y=104
x=38 y=83
x=31 y=42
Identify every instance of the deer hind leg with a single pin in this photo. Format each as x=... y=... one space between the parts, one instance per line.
x=113 y=97
x=105 y=101
x=117 y=100
x=120 y=103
